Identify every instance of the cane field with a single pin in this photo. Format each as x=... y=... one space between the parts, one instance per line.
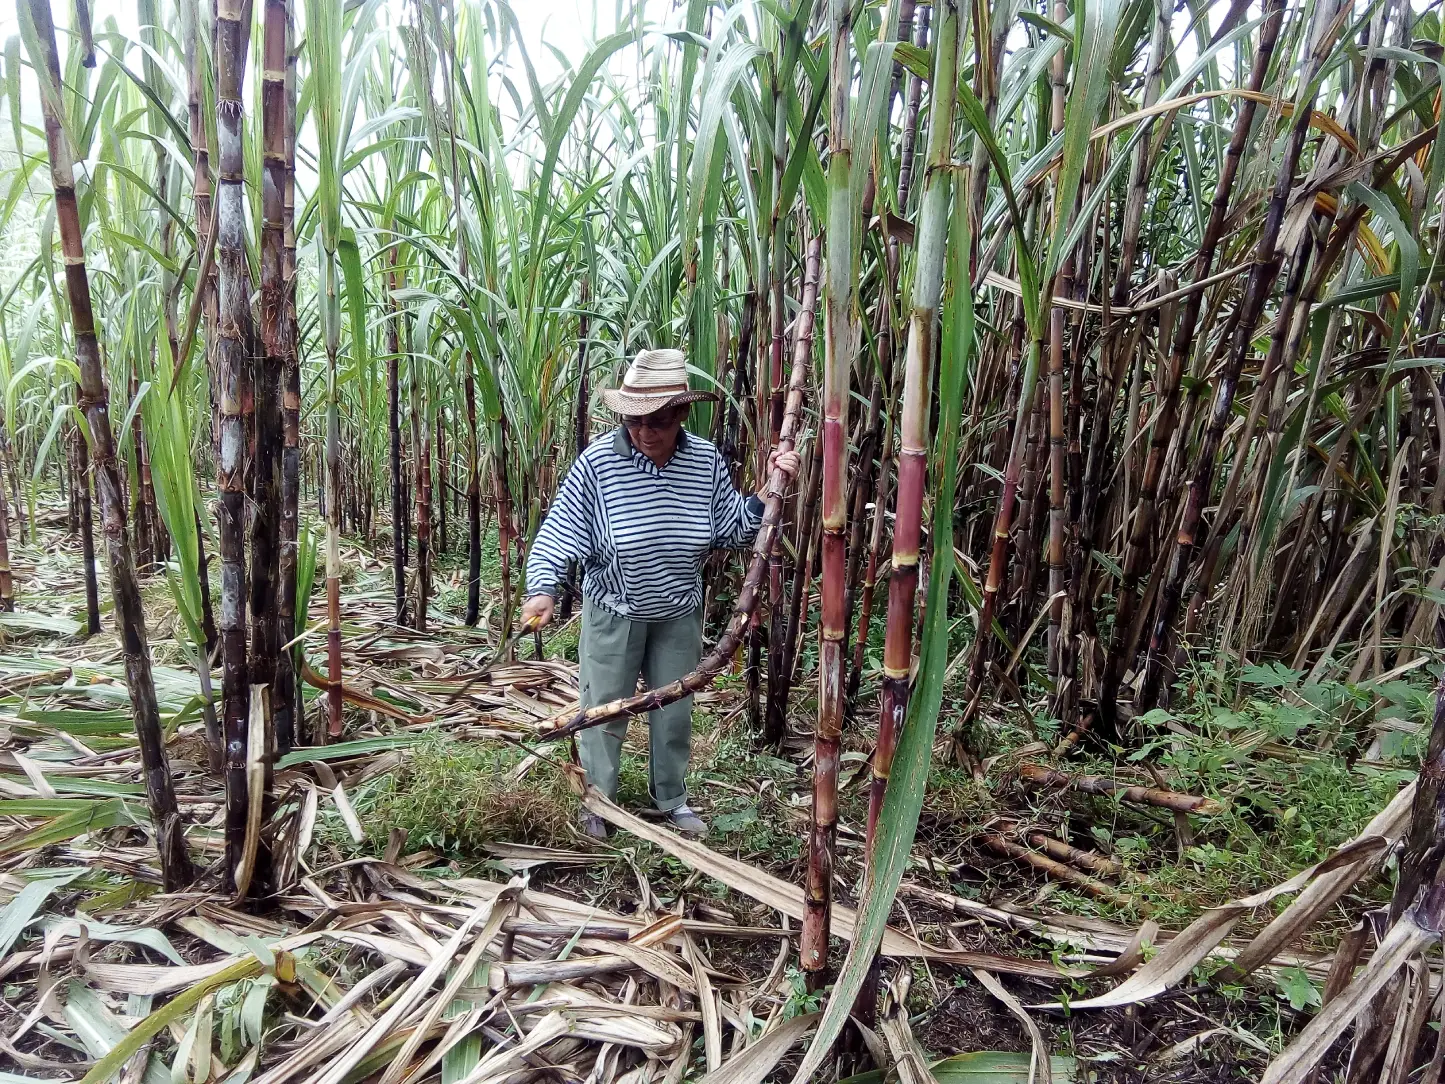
x=1077 y=715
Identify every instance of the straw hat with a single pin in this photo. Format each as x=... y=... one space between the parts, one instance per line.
x=656 y=379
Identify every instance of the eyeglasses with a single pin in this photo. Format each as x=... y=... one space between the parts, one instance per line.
x=658 y=419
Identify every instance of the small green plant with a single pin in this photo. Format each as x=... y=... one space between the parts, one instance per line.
x=1296 y=987
x=800 y=1001
x=456 y=797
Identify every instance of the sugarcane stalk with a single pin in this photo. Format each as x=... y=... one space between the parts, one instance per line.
x=1058 y=870
x=7 y=580
x=1256 y=293
x=840 y=343
x=918 y=364
x=266 y=628
x=85 y=522
x=393 y=428
x=421 y=442
x=232 y=336
x=144 y=547
x=1141 y=524
x=1057 y=325
x=1057 y=849
x=286 y=701
x=39 y=32
x=1118 y=347
x=751 y=592
x=501 y=489
x=887 y=384
x=775 y=719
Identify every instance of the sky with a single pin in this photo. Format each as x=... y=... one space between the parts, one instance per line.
x=564 y=25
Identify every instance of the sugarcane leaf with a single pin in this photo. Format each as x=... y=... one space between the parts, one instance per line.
x=149 y=938
x=1409 y=255
x=40 y=884
x=175 y=1009
x=869 y=116
x=67 y=826
x=1095 y=25
x=918 y=61
x=354 y=282
x=719 y=85
x=346 y=749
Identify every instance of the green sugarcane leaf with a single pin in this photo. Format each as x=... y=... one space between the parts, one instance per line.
x=354 y=282
x=175 y=1009
x=708 y=149
x=1409 y=255
x=67 y=826
x=869 y=117
x=918 y=61
x=346 y=749
x=1095 y=24
x=40 y=884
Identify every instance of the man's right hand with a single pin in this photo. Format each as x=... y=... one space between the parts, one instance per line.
x=537 y=610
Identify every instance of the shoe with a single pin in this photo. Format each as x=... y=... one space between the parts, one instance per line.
x=593 y=827
x=686 y=821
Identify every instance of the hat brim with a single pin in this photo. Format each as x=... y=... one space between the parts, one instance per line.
x=627 y=402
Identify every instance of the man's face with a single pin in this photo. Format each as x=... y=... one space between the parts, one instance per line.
x=655 y=433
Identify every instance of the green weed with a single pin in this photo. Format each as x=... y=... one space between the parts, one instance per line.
x=456 y=797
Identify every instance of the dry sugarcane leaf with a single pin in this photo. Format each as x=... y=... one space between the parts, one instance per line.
x=495 y=1066
x=147 y=979
x=403 y=1005
x=338 y=797
x=1184 y=951
x=754 y=1064
x=321 y=1046
x=37 y=778
x=788 y=898
x=504 y=905
x=909 y=1061
x=657 y=963
x=456 y=1061
x=349 y=1003
x=1405 y=939
x=1133 y=954
x=1390 y=823
x=521 y=856
x=707 y=1002
x=678 y=1067
x=390 y=947
x=1041 y=1066
x=642 y=1026
x=255 y=785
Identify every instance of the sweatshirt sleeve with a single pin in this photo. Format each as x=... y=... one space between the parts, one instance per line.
x=736 y=518
x=565 y=534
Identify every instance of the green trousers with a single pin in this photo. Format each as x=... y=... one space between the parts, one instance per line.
x=614 y=651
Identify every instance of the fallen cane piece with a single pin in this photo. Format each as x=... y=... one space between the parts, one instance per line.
x=1036 y=775
x=1088 y=861
x=1060 y=872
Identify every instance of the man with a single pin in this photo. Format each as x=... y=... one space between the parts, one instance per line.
x=640 y=510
